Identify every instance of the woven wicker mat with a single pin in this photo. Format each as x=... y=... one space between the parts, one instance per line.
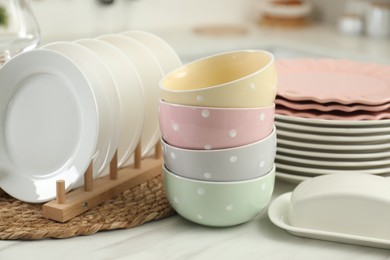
x=134 y=207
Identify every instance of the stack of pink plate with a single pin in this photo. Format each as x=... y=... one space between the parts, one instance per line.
x=332 y=116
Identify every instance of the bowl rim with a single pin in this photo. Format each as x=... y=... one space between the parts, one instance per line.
x=269 y=64
x=269 y=174
x=169 y=104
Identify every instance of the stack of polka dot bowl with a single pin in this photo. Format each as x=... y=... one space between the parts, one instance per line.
x=218 y=137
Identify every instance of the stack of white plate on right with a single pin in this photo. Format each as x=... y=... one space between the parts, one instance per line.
x=332 y=116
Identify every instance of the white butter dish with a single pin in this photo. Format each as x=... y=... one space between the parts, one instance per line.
x=348 y=208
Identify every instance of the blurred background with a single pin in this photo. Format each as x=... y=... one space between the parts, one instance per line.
x=357 y=29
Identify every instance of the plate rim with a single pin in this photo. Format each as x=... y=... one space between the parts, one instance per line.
x=279 y=206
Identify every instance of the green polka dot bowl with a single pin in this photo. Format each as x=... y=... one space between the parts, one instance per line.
x=218 y=204
x=243 y=78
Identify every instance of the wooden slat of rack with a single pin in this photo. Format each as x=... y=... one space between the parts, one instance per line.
x=79 y=200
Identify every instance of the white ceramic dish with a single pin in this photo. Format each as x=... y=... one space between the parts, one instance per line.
x=164 y=53
x=334 y=80
x=331 y=129
x=333 y=164
x=278 y=214
x=150 y=73
x=130 y=92
x=314 y=171
x=106 y=96
x=48 y=124
x=342 y=155
x=334 y=147
x=290 y=178
x=333 y=115
x=338 y=123
x=334 y=139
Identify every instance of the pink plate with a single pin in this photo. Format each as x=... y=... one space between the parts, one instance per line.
x=330 y=106
x=333 y=115
x=331 y=80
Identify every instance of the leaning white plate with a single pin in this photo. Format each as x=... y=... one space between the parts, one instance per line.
x=150 y=73
x=278 y=214
x=130 y=92
x=162 y=51
x=48 y=124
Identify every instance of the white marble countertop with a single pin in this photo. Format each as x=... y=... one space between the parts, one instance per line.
x=176 y=238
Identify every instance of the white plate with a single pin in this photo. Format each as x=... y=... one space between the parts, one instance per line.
x=327 y=123
x=291 y=178
x=129 y=89
x=107 y=99
x=333 y=164
x=329 y=129
x=150 y=74
x=334 y=139
x=334 y=147
x=310 y=171
x=373 y=155
x=48 y=124
x=164 y=53
x=278 y=214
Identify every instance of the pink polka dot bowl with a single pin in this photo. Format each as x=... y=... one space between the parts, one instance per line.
x=218 y=204
x=226 y=165
x=208 y=128
x=244 y=78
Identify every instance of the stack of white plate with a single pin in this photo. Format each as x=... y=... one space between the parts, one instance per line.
x=70 y=103
x=332 y=117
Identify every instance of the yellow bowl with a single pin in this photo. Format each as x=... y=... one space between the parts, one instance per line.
x=245 y=78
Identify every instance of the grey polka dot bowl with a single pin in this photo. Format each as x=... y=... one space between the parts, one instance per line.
x=218 y=204
x=208 y=128
x=231 y=164
x=245 y=78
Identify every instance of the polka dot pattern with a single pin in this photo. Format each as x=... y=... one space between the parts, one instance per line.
x=199 y=98
x=201 y=191
x=207 y=175
x=217 y=139
x=175 y=127
x=229 y=207
x=205 y=113
x=233 y=159
x=232 y=133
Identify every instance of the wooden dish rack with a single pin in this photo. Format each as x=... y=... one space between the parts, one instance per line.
x=94 y=192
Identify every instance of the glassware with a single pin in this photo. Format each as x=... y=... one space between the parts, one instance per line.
x=19 y=29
